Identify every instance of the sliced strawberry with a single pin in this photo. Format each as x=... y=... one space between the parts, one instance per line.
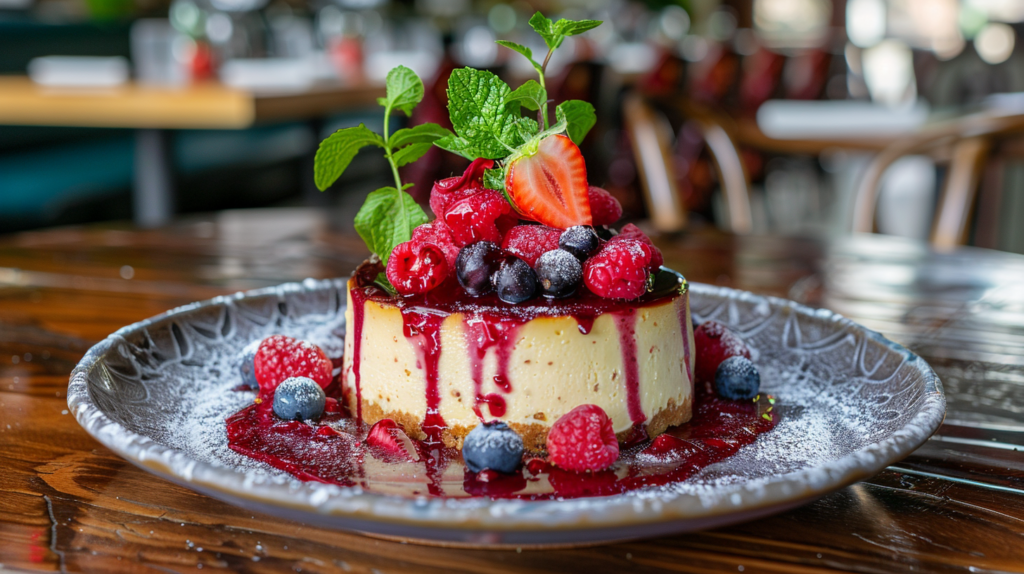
x=550 y=186
x=389 y=440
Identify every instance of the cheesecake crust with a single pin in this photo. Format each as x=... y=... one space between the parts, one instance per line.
x=534 y=435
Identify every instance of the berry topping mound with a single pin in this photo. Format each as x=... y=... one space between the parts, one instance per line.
x=583 y=439
x=280 y=357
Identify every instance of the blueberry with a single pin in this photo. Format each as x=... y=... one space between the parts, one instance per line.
x=737 y=379
x=474 y=266
x=580 y=240
x=299 y=399
x=559 y=273
x=493 y=445
x=245 y=364
x=514 y=281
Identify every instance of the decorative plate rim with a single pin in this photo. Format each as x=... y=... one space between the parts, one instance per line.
x=324 y=502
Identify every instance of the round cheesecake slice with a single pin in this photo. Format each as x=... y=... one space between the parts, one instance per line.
x=442 y=363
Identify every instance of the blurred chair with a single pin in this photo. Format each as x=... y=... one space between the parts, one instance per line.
x=650 y=135
x=966 y=144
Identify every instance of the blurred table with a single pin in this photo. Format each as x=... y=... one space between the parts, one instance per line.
x=67 y=503
x=155 y=110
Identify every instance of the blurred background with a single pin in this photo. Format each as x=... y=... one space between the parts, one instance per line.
x=784 y=117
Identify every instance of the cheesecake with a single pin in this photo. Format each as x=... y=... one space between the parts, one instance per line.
x=444 y=362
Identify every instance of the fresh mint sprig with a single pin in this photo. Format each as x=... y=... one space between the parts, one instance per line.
x=534 y=95
x=389 y=214
x=486 y=113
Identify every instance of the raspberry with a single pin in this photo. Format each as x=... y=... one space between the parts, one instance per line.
x=280 y=357
x=583 y=439
x=475 y=218
x=437 y=233
x=619 y=270
x=604 y=209
x=448 y=191
x=528 y=242
x=415 y=268
x=715 y=343
x=387 y=439
x=630 y=231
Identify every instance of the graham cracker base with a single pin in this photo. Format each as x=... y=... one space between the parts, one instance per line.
x=534 y=435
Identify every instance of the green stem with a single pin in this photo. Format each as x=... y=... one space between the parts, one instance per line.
x=544 y=106
x=391 y=160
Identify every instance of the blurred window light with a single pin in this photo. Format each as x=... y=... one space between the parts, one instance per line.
x=238 y=5
x=746 y=43
x=865 y=22
x=502 y=18
x=928 y=25
x=632 y=58
x=379 y=63
x=1009 y=11
x=792 y=23
x=994 y=43
x=219 y=28
x=186 y=17
x=478 y=49
x=721 y=25
x=889 y=73
x=674 y=23
x=84 y=71
x=694 y=48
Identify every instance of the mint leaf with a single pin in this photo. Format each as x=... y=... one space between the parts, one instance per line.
x=387 y=218
x=337 y=151
x=411 y=153
x=527 y=128
x=529 y=95
x=574 y=27
x=522 y=50
x=404 y=90
x=579 y=117
x=417 y=134
x=554 y=32
x=546 y=28
x=479 y=114
x=495 y=179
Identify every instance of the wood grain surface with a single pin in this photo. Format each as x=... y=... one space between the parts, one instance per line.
x=68 y=504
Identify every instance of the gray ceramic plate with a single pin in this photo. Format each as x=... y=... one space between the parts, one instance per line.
x=851 y=403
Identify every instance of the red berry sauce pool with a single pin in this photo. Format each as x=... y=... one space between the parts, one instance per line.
x=331 y=451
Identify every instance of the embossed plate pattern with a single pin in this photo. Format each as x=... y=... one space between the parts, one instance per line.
x=851 y=402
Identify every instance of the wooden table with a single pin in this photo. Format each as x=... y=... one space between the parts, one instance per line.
x=67 y=503
x=155 y=110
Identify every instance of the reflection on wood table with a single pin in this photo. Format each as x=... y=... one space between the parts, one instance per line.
x=66 y=503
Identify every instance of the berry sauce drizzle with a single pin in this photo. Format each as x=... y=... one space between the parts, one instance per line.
x=625 y=322
x=332 y=451
x=482 y=333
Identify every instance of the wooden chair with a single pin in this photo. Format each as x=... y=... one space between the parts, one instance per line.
x=650 y=135
x=966 y=144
